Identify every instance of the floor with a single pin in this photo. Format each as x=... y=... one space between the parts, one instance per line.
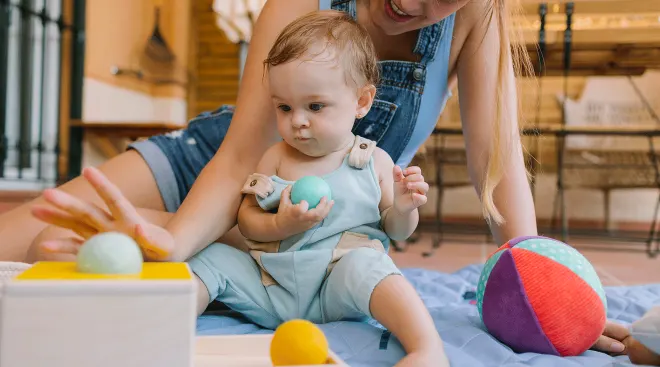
x=615 y=263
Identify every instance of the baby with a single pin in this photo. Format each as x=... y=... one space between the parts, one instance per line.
x=643 y=345
x=329 y=262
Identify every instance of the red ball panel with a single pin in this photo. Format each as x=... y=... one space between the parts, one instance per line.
x=569 y=311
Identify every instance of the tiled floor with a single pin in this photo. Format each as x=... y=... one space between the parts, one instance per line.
x=615 y=266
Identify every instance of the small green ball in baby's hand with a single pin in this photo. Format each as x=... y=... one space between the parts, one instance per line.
x=311 y=189
x=110 y=253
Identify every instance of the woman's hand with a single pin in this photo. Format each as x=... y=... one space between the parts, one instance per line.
x=611 y=341
x=296 y=218
x=87 y=219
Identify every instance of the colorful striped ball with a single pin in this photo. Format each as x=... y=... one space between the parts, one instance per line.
x=537 y=294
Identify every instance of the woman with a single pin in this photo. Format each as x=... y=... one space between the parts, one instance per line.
x=426 y=45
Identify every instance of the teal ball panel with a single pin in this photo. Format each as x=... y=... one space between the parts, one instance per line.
x=110 y=253
x=311 y=189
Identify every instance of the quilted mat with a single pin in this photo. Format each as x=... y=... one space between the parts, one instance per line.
x=450 y=300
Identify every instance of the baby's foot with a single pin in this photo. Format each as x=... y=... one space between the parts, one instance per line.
x=425 y=358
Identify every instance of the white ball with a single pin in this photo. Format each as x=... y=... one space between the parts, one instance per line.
x=110 y=253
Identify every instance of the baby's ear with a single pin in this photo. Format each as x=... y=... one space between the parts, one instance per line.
x=366 y=97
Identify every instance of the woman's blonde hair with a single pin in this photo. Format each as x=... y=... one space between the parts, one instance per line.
x=512 y=49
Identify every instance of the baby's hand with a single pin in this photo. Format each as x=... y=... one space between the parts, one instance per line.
x=296 y=218
x=409 y=189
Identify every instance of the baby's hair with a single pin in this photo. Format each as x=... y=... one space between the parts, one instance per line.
x=351 y=44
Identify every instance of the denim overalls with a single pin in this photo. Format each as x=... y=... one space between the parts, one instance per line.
x=408 y=102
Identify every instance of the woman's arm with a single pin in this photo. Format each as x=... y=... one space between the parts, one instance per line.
x=58 y=243
x=211 y=207
x=477 y=85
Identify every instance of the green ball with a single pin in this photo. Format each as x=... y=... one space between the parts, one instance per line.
x=311 y=189
x=110 y=253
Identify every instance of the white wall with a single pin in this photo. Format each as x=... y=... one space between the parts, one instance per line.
x=107 y=103
x=103 y=102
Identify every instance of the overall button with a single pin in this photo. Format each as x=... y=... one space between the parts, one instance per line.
x=418 y=74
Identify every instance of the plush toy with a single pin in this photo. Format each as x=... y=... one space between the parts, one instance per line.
x=537 y=294
x=311 y=189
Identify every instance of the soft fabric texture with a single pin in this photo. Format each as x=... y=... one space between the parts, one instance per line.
x=537 y=294
x=450 y=300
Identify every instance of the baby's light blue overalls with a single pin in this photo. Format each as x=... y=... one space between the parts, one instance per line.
x=324 y=274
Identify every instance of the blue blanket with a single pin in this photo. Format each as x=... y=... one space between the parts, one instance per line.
x=448 y=298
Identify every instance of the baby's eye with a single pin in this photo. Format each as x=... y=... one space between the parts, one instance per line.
x=315 y=106
x=284 y=108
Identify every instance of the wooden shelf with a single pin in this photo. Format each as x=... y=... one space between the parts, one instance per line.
x=130 y=130
x=610 y=37
x=601 y=52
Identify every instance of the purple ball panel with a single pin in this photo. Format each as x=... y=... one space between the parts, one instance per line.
x=507 y=313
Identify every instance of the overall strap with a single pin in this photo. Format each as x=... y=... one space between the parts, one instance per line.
x=361 y=152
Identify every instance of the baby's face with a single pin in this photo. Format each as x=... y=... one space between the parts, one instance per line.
x=315 y=106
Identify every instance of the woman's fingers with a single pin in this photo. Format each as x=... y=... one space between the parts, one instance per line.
x=64 y=220
x=63 y=249
x=156 y=243
x=608 y=345
x=87 y=213
x=612 y=339
x=119 y=206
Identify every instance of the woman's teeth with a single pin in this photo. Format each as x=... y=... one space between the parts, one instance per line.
x=397 y=10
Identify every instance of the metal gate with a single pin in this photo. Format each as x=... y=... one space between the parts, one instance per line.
x=41 y=70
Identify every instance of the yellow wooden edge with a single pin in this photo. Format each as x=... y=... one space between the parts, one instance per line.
x=47 y=270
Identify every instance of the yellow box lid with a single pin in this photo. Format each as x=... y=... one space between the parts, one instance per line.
x=49 y=270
